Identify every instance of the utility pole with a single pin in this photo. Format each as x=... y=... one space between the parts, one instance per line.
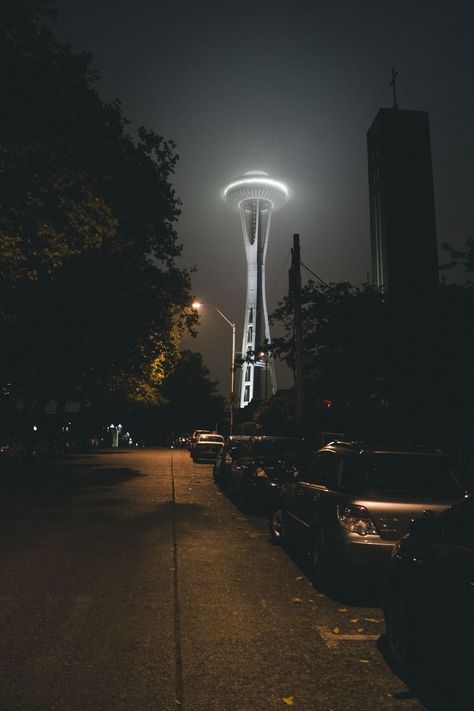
x=295 y=293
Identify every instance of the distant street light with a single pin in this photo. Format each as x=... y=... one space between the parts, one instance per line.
x=196 y=305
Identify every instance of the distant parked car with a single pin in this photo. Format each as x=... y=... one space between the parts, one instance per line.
x=352 y=502
x=207 y=447
x=261 y=466
x=195 y=437
x=223 y=465
x=429 y=601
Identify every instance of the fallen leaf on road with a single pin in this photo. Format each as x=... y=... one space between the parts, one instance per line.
x=370 y=619
x=288 y=700
x=361 y=629
x=355 y=620
x=336 y=630
x=342 y=609
x=364 y=661
x=299 y=577
x=296 y=600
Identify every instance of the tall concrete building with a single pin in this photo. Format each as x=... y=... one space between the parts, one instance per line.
x=402 y=210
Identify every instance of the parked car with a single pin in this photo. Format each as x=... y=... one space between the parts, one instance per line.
x=195 y=437
x=350 y=504
x=223 y=465
x=261 y=466
x=207 y=447
x=429 y=600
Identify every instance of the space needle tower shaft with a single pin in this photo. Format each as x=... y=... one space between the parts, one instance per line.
x=256 y=195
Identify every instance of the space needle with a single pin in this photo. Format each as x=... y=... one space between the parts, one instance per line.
x=255 y=195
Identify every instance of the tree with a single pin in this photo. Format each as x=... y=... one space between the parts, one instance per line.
x=192 y=398
x=373 y=369
x=92 y=302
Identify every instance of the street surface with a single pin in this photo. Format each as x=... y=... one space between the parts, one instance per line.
x=129 y=581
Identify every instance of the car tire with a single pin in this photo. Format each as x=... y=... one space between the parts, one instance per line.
x=319 y=561
x=244 y=498
x=400 y=631
x=277 y=525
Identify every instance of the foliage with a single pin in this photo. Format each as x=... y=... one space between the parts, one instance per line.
x=460 y=258
x=375 y=370
x=193 y=400
x=92 y=302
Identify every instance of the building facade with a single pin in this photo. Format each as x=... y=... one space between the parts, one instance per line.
x=402 y=208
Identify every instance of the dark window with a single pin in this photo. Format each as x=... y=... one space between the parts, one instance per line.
x=279 y=448
x=407 y=475
x=321 y=469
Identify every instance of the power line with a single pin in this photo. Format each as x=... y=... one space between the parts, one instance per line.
x=314 y=274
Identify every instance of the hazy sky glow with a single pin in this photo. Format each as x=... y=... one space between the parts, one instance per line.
x=290 y=89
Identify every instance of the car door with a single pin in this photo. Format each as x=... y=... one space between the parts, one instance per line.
x=305 y=500
x=240 y=465
x=456 y=583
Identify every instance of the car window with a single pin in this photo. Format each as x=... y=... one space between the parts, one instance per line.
x=321 y=469
x=408 y=475
x=211 y=438
x=279 y=448
x=460 y=529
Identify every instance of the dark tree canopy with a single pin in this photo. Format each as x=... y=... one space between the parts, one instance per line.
x=92 y=301
x=193 y=400
x=375 y=369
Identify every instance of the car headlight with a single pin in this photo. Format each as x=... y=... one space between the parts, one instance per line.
x=356 y=519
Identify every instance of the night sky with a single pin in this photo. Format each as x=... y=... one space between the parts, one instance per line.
x=289 y=88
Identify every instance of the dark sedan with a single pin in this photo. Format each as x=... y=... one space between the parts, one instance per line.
x=429 y=601
x=223 y=465
x=263 y=464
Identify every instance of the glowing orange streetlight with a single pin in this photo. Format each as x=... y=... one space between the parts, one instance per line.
x=196 y=305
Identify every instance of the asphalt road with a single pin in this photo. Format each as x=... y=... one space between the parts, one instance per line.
x=128 y=581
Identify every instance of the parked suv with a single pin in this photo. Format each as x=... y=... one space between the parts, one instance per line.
x=352 y=502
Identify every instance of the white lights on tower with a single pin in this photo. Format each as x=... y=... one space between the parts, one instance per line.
x=256 y=196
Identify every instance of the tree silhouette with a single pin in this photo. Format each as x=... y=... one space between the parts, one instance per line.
x=92 y=302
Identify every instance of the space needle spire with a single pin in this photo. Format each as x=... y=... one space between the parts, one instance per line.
x=256 y=196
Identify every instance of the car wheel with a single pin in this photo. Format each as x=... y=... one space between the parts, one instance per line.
x=400 y=630
x=277 y=526
x=319 y=561
x=244 y=499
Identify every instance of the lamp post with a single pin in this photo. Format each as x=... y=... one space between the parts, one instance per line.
x=196 y=305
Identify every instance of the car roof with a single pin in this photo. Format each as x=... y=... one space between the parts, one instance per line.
x=361 y=447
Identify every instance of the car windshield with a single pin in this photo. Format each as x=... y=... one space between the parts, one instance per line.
x=211 y=438
x=237 y=445
x=279 y=448
x=398 y=474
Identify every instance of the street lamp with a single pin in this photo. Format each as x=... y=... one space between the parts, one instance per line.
x=196 y=305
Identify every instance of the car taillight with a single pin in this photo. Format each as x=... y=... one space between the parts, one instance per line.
x=356 y=519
